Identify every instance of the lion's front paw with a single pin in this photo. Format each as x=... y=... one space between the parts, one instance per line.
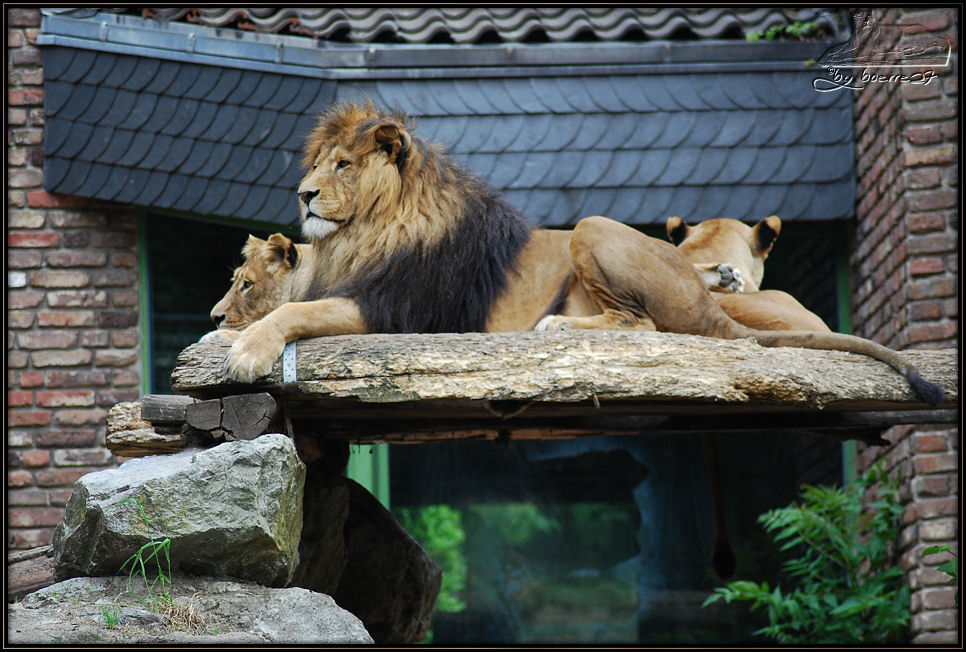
x=222 y=333
x=254 y=353
x=553 y=323
x=730 y=278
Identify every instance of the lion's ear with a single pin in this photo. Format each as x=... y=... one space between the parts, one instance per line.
x=393 y=140
x=677 y=230
x=282 y=249
x=765 y=233
x=252 y=245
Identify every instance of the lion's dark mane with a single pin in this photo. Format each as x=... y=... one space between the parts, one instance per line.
x=450 y=286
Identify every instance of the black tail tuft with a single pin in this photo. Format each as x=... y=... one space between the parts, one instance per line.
x=931 y=393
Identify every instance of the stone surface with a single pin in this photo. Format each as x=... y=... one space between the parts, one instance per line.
x=206 y=611
x=389 y=581
x=234 y=511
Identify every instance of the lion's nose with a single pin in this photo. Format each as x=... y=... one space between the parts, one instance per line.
x=307 y=195
x=217 y=317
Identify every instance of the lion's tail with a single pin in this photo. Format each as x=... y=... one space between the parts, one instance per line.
x=929 y=392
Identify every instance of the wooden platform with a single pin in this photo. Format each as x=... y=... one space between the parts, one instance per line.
x=416 y=388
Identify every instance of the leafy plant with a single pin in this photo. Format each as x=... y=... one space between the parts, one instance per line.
x=140 y=562
x=845 y=588
x=951 y=567
x=797 y=31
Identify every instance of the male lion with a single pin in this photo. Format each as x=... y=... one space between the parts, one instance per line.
x=406 y=240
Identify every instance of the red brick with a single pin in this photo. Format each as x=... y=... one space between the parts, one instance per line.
x=916 y=92
x=942 y=598
x=28 y=418
x=82 y=457
x=55 y=438
x=19 y=479
x=931 y=110
x=60 y=358
x=86 y=258
x=31 y=378
x=931 y=200
x=926 y=464
x=115 y=358
x=124 y=259
x=26 y=497
x=23 y=18
x=932 y=288
x=65 y=398
x=937 y=507
x=60 y=477
x=915 y=179
x=27 y=539
x=24 y=259
x=25 y=299
x=76 y=378
x=46 y=340
x=125 y=339
x=68 y=318
x=77 y=299
x=95 y=339
x=111 y=397
x=36 y=458
x=116 y=240
x=32 y=239
x=923 y=222
x=34 y=516
x=17 y=359
x=922 y=266
x=25 y=96
x=44 y=199
x=19 y=319
x=59 y=279
x=927 y=21
x=94 y=416
x=77 y=219
x=114 y=277
x=935 y=155
x=932 y=332
x=19 y=399
x=59 y=497
x=126 y=378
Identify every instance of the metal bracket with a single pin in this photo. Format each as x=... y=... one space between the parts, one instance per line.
x=289 y=374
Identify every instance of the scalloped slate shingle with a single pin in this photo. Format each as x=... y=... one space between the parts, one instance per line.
x=638 y=148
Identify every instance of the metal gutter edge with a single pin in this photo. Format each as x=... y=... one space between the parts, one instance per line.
x=308 y=57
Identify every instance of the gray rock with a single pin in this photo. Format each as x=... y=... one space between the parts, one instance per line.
x=205 y=611
x=234 y=511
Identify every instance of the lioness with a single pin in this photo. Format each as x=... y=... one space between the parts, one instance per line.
x=746 y=249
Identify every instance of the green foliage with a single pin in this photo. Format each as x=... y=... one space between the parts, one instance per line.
x=797 y=31
x=110 y=617
x=140 y=563
x=439 y=529
x=951 y=567
x=845 y=588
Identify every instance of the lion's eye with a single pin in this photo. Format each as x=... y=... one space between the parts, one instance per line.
x=342 y=164
x=246 y=285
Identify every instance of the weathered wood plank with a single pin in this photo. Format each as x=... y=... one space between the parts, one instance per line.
x=164 y=408
x=28 y=571
x=128 y=435
x=569 y=367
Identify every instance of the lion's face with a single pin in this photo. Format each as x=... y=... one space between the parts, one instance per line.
x=355 y=158
x=258 y=285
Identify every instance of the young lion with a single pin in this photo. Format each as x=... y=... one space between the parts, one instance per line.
x=406 y=240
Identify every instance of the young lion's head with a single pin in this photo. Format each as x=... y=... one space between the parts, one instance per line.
x=260 y=284
x=355 y=159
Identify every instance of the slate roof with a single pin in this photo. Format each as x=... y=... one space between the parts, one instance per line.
x=700 y=142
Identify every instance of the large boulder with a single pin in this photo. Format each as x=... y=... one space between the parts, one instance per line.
x=109 y=610
x=231 y=511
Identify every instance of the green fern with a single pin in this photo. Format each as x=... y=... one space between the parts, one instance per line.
x=845 y=588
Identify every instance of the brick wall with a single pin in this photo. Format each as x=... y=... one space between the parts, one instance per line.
x=73 y=340
x=905 y=266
